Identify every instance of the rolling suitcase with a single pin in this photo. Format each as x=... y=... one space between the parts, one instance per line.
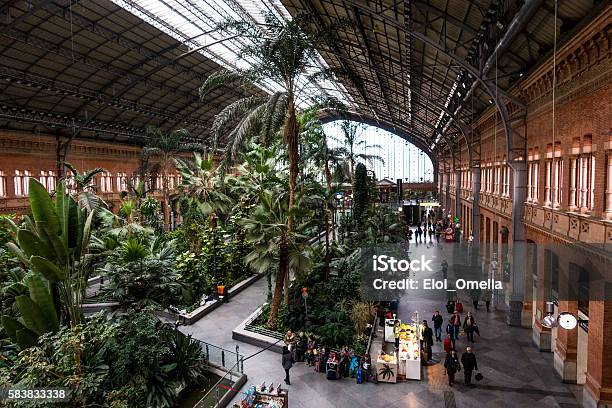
x=359 y=376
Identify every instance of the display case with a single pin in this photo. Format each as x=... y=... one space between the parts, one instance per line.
x=409 y=353
x=264 y=397
x=389 y=336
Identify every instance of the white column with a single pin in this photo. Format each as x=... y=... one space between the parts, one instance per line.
x=591 y=187
x=536 y=179
x=584 y=171
x=572 y=185
x=555 y=184
x=529 y=185
x=547 y=189
x=609 y=188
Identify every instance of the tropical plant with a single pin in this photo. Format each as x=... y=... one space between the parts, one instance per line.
x=283 y=52
x=274 y=242
x=165 y=147
x=54 y=244
x=259 y=171
x=351 y=142
x=142 y=273
x=383 y=225
x=84 y=186
x=360 y=194
x=201 y=185
x=362 y=314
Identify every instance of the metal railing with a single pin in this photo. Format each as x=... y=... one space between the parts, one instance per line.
x=219 y=389
x=229 y=360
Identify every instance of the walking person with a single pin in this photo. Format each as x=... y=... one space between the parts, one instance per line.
x=438 y=232
x=427 y=339
x=448 y=344
x=444 y=268
x=287 y=361
x=452 y=366
x=420 y=233
x=437 y=320
x=455 y=322
x=486 y=296
x=468 y=360
x=469 y=326
x=290 y=341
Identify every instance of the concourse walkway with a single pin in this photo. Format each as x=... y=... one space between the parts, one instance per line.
x=515 y=373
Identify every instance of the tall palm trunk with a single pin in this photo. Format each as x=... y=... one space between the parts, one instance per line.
x=166 y=201
x=283 y=269
x=290 y=134
x=328 y=179
x=327 y=209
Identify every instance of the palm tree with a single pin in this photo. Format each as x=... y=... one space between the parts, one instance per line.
x=274 y=242
x=351 y=140
x=283 y=53
x=165 y=147
x=83 y=185
x=259 y=172
x=201 y=186
x=321 y=156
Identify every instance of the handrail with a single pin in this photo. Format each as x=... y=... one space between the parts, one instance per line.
x=215 y=388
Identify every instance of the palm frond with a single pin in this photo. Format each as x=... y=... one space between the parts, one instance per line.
x=278 y=99
x=243 y=130
x=232 y=113
x=226 y=77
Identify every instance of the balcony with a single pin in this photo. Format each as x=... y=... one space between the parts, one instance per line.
x=572 y=226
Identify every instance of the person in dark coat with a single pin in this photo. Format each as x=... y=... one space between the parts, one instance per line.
x=455 y=322
x=469 y=326
x=300 y=348
x=468 y=360
x=452 y=365
x=437 y=320
x=287 y=361
x=427 y=339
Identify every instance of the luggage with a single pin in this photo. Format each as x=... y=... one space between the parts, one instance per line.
x=478 y=377
x=459 y=307
x=359 y=376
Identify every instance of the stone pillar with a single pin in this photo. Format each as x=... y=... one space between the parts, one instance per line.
x=541 y=335
x=518 y=255
x=447 y=200
x=476 y=203
x=458 y=193
x=566 y=346
x=597 y=391
x=608 y=211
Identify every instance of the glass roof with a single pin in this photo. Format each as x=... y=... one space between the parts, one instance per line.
x=193 y=23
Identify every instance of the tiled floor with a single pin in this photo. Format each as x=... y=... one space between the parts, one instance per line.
x=515 y=373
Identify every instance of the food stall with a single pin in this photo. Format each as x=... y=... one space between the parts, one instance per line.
x=386 y=368
x=409 y=353
x=264 y=397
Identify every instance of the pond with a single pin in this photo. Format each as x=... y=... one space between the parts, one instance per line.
x=191 y=396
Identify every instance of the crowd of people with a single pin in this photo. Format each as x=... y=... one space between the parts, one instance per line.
x=344 y=363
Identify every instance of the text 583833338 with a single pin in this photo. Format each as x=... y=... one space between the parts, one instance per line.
x=14 y=394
